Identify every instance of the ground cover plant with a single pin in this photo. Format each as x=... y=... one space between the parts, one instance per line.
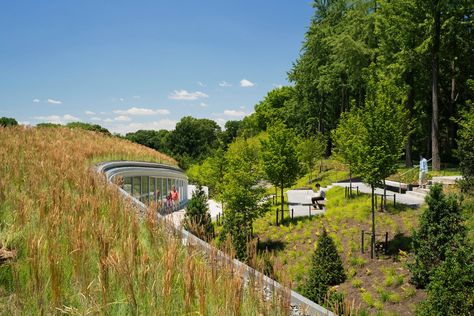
x=372 y=286
x=79 y=249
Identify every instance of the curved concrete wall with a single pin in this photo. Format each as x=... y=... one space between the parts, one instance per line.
x=300 y=305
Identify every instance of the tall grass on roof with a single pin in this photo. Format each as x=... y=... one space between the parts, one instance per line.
x=80 y=250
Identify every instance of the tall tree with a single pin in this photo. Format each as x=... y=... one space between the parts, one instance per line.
x=280 y=160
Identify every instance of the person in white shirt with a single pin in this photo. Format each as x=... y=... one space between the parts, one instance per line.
x=423 y=171
x=320 y=196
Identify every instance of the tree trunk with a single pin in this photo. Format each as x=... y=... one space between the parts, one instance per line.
x=436 y=163
x=372 y=242
x=282 y=204
x=409 y=106
x=452 y=110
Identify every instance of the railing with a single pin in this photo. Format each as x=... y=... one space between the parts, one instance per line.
x=409 y=170
x=300 y=305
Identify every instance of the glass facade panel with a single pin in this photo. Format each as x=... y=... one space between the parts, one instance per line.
x=136 y=187
x=144 y=192
x=127 y=184
x=152 y=189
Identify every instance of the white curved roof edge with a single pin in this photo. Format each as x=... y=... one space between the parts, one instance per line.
x=305 y=305
x=123 y=168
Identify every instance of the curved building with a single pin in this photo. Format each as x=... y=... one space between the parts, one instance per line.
x=149 y=182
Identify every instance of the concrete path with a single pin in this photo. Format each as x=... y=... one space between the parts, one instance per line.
x=407 y=199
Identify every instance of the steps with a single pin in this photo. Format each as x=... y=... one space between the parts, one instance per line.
x=419 y=192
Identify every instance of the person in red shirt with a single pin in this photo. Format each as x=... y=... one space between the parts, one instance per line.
x=175 y=197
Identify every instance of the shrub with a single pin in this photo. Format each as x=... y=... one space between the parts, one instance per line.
x=440 y=224
x=197 y=219
x=7 y=121
x=451 y=290
x=326 y=270
x=465 y=153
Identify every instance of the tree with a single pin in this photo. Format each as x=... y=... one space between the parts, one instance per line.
x=273 y=108
x=347 y=140
x=7 y=121
x=310 y=150
x=193 y=139
x=158 y=140
x=280 y=160
x=197 y=219
x=465 y=150
x=451 y=289
x=440 y=225
x=241 y=194
x=326 y=270
x=380 y=126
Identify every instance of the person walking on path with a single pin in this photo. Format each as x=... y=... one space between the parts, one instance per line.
x=320 y=196
x=423 y=171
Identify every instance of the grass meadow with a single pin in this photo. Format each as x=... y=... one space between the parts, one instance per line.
x=79 y=249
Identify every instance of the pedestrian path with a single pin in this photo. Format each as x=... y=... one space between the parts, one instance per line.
x=406 y=199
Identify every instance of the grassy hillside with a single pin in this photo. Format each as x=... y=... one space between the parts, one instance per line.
x=78 y=247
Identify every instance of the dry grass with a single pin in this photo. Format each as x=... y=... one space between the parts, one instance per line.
x=79 y=250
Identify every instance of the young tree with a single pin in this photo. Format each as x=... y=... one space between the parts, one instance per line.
x=380 y=127
x=326 y=270
x=197 y=219
x=440 y=225
x=310 y=150
x=241 y=193
x=280 y=160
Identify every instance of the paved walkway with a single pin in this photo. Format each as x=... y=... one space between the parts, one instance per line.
x=407 y=199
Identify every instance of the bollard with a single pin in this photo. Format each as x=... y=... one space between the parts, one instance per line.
x=357 y=190
x=386 y=242
x=309 y=211
x=292 y=214
x=394 y=199
x=362 y=241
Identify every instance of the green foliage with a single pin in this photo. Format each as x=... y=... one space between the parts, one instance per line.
x=451 y=290
x=326 y=270
x=7 y=121
x=241 y=193
x=310 y=150
x=89 y=127
x=465 y=151
x=273 y=108
x=197 y=219
x=47 y=125
x=441 y=228
x=279 y=157
x=157 y=140
x=210 y=173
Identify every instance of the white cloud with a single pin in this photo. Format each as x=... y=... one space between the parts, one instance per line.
x=142 y=111
x=234 y=113
x=26 y=123
x=108 y=120
x=246 y=83
x=52 y=101
x=90 y=113
x=57 y=119
x=135 y=126
x=136 y=97
x=242 y=107
x=36 y=100
x=202 y=104
x=225 y=84
x=185 y=95
x=201 y=84
x=277 y=85
x=122 y=118
x=221 y=122
x=95 y=118
x=121 y=99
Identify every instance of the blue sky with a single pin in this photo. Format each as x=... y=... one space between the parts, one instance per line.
x=130 y=65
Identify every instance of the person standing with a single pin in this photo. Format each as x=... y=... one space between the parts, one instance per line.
x=175 y=197
x=423 y=171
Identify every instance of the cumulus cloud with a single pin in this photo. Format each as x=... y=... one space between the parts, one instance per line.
x=203 y=105
x=36 y=100
x=135 y=126
x=122 y=118
x=95 y=118
x=246 y=83
x=90 y=113
x=57 y=119
x=185 y=95
x=224 y=84
x=142 y=111
x=53 y=101
x=234 y=113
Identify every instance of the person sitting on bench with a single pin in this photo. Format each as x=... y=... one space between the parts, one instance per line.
x=320 y=196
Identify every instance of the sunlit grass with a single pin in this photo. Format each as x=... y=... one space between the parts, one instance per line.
x=80 y=249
